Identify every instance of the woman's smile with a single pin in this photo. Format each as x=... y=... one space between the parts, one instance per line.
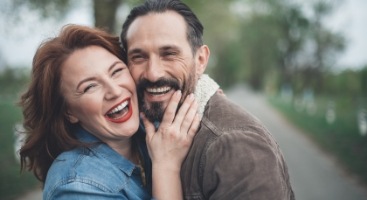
x=120 y=113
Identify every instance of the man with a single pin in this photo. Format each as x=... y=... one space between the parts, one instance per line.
x=233 y=156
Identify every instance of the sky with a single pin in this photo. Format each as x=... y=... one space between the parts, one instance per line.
x=350 y=18
x=18 y=46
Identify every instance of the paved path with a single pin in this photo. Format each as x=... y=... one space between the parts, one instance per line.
x=33 y=195
x=314 y=175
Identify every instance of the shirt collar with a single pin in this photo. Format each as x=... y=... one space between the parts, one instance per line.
x=101 y=149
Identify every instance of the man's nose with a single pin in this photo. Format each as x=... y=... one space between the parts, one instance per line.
x=154 y=70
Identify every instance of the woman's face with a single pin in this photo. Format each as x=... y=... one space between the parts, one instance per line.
x=100 y=94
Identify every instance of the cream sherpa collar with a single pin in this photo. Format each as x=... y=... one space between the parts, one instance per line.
x=205 y=88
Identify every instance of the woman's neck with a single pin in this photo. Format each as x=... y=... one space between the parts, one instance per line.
x=124 y=148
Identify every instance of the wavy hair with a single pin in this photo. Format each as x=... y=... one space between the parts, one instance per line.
x=194 y=27
x=48 y=131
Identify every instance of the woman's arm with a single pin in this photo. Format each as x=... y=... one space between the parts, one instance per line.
x=169 y=145
x=81 y=190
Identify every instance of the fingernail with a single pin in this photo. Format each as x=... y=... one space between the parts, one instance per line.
x=178 y=92
x=192 y=96
x=141 y=115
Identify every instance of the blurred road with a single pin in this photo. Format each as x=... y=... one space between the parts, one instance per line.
x=314 y=175
x=33 y=195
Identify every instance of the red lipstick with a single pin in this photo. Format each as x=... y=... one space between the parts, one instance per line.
x=125 y=116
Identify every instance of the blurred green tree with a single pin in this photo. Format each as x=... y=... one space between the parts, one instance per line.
x=13 y=80
x=278 y=36
x=104 y=11
x=326 y=46
x=249 y=39
x=363 y=78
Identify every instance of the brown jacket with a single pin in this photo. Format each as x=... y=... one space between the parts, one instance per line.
x=233 y=156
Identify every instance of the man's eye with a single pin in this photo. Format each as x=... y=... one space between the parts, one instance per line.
x=135 y=58
x=169 y=53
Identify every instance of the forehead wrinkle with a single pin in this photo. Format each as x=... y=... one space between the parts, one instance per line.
x=146 y=28
x=170 y=47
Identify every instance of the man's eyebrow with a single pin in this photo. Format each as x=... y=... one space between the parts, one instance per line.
x=163 y=48
x=170 y=47
x=134 y=51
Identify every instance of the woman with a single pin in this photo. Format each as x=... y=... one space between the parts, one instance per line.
x=81 y=118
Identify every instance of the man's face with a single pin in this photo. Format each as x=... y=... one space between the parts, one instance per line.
x=161 y=60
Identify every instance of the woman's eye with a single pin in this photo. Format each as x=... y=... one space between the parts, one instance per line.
x=90 y=86
x=117 y=71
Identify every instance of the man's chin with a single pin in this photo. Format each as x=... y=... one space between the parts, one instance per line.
x=155 y=112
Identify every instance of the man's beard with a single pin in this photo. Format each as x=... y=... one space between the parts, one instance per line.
x=154 y=111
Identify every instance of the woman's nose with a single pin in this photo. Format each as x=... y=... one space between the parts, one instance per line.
x=113 y=90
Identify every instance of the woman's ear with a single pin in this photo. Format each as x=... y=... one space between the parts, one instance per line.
x=71 y=118
x=202 y=58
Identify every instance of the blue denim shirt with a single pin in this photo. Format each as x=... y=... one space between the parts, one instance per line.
x=97 y=172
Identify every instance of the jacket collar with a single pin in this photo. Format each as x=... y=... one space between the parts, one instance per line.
x=99 y=148
x=205 y=88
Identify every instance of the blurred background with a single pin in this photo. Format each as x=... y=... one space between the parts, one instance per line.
x=307 y=59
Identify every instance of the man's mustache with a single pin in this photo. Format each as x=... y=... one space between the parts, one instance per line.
x=170 y=82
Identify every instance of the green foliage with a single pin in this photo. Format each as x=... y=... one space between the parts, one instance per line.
x=278 y=35
x=13 y=183
x=363 y=78
x=269 y=36
x=341 y=137
x=352 y=83
x=12 y=80
x=229 y=70
x=260 y=52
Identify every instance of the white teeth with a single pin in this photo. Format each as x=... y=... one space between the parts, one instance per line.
x=159 y=90
x=120 y=107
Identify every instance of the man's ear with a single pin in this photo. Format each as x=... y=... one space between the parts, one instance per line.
x=72 y=119
x=202 y=58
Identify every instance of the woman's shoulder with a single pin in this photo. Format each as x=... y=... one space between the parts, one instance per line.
x=82 y=166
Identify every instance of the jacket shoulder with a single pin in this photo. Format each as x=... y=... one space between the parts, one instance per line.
x=222 y=116
x=82 y=165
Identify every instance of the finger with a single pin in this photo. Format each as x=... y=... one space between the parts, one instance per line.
x=183 y=110
x=169 y=113
x=189 y=117
x=149 y=127
x=194 y=127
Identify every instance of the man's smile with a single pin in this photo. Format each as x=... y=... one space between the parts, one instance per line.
x=158 y=90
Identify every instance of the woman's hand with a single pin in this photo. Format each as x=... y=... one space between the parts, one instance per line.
x=169 y=145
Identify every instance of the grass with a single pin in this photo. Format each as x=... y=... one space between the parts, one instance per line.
x=12 y=182
x=341 y=138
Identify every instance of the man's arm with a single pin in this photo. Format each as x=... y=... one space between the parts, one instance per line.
x=245 y=165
